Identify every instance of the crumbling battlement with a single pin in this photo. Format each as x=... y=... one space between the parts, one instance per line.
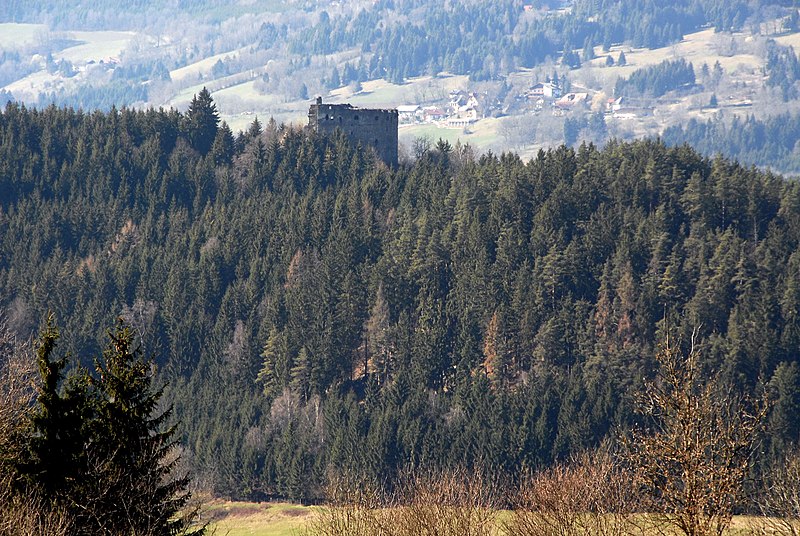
x=370 y=127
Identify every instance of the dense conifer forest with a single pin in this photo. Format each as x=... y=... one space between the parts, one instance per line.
x=769 y=142
x=315 y=311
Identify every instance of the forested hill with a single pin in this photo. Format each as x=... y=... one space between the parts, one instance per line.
x=315 y=311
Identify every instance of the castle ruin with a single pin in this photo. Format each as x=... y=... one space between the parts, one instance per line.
x=374 y=128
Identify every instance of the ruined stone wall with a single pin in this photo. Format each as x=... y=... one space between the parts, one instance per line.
x=370 y=127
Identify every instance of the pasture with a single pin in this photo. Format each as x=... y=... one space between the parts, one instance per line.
x=14 y=35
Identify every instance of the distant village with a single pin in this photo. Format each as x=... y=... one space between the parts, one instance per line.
x=464 y=108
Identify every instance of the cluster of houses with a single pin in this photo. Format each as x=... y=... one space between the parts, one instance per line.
x=463 y=109
x=467 y=107
x=542 y=93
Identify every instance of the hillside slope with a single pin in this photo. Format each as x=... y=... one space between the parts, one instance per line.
x=314 y=310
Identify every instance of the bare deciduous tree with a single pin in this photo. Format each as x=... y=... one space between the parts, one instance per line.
x=591 y=494
x=356 y=507
x=16 y=380
x=692 y=462
x=447 y=502
x=19 y=515
x=141 y=318
x=780 y=502
x=455 y=502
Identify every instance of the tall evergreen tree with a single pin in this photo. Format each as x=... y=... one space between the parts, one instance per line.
x=95 y=450
x=54 y=460
x=201 y=122
x=131 y=449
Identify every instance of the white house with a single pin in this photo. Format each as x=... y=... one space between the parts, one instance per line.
x=545 y=89
x=409 y=113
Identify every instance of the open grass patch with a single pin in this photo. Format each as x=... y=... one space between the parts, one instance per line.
x=95 y=46
x=258 y=519
x=14 y=35
x=383 y=94
x=481 y=135
x=201 y=68
x=697 y=48
x=281 y=519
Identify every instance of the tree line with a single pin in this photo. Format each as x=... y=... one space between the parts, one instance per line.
x=656 y=80
x=487 y=41
x=769 y=142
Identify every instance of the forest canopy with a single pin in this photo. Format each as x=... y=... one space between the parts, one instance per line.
x=313 y=309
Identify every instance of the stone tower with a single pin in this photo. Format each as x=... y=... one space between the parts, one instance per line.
x=371 y=127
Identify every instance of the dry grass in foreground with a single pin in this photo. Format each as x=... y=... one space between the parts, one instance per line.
x=280 y=519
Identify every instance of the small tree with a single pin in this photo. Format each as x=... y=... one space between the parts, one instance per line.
x=21 y=514
x=780 y=502
x=16 y=392
x=692 y=461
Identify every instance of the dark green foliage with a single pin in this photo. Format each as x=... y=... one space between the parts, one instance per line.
x=96 y=448
x=656 y=80
x=223 y=147
x=54 y=457
x=314 y=311
x=201 y=122
x=763 y=142
x=130 y=445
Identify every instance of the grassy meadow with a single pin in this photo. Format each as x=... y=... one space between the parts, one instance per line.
x=13 y=35
x=95 y=46
x=257 y=519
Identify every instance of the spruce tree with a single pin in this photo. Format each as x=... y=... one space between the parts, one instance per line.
x=131 y=447
x=54 y=457
x=96 y=453
x=224 y=146
x=201 y=122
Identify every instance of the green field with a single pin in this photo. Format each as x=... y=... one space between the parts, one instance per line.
x=482 y=134
x=202 y=67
